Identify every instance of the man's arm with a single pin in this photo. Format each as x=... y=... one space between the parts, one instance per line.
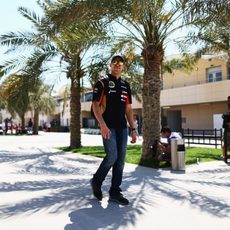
x=105 y=132
x=129 y=115
x=165 y=148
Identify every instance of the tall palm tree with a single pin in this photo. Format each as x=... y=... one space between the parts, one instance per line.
x=41 y=101
x=15 y=90
x=30 y=76
x=22 y=93
x=149 y=24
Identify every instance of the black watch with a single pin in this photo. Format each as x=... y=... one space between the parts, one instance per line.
x=133 y=129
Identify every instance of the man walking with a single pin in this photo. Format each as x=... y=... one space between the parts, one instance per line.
x=111 y=106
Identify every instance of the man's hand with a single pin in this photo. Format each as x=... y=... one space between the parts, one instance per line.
x=165 y=148
x=133 y=137
x=105 y=131
x=161 y=146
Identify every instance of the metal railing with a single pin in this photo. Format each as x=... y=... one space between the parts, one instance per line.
x=203 y=137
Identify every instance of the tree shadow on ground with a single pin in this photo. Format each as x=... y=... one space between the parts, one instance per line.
x=62 y=184
x=184 y=188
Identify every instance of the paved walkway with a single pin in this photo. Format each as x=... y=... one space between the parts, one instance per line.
x=43 y=188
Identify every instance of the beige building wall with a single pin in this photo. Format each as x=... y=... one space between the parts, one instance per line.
x=192 y=94
x=196 y=76
x=198 y=116
x=203 y=93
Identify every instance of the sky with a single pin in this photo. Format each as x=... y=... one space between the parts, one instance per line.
x=12 y=20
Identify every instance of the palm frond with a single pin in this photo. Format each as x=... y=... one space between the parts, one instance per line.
x=17 y=39
x=14 y=64
x=30 y=15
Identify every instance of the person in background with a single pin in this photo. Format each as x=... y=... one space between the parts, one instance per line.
x=115 y=92
x=165 y=148
x=30 y=126
x=18 y=129
x=6 y=121
x=226 y=126
x=11 y=125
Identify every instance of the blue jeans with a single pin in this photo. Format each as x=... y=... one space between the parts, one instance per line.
x=115 y=149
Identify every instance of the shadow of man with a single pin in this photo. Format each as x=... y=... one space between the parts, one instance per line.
x=101 y=215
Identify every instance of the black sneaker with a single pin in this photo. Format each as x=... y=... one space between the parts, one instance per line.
x=96 y=190
x=119 y=198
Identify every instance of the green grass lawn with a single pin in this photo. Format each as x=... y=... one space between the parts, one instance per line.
x=134 y=155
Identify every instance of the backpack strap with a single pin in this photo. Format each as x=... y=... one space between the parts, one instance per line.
x=105 y=83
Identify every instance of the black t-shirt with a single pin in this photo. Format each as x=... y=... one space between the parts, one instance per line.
x=226 y=120
x=113 y=95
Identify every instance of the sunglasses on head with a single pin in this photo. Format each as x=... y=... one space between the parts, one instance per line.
x=117 y=63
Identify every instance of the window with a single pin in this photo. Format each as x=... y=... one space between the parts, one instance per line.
x=87 y=97
x=218 y=76
x=214 y=74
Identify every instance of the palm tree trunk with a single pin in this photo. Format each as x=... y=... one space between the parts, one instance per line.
x=151 y=99
x=75 y=113
x=36 y=120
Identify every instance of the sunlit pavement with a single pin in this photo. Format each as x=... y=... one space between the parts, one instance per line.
x=44 y=188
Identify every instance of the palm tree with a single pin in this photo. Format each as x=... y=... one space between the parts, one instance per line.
x=211 y=30
x=41 y=101
x=23 y=93
x=15 y=91
x=32 y=88
x=25 y=89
